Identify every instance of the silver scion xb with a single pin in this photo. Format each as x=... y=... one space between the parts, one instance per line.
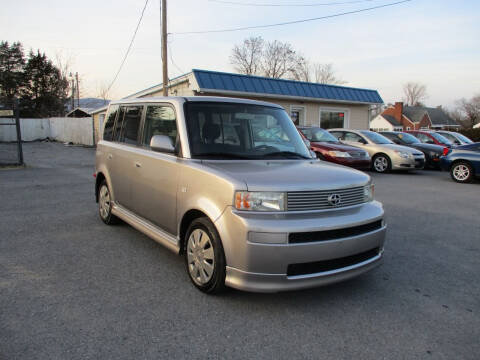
x=385 y=154
x=230 y=185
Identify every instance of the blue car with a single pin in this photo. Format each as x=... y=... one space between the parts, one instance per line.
x=463 y=162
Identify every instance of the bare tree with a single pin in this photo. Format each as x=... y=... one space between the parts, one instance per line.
x=102 y=91
x=279 y=59
x=325 y=74
x=315 y=72
x=470 y=110
x=247 y=57
x=415 y=93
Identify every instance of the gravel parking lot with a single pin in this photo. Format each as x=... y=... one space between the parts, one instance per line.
x=74 y=288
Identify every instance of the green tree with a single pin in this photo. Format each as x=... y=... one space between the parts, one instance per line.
x=12 y=64
x=45 y=89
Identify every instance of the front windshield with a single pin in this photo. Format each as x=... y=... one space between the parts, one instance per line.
x=242 y=131
x=376 y=138
x=408 y=139
x=441 y=139
x=316 y=134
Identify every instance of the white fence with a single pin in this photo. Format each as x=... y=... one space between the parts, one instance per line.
x=75 y=130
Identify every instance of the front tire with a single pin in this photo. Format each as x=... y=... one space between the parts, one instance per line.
x=204 y=256
x=381 y=163
x=105 y=205
x=462 y=172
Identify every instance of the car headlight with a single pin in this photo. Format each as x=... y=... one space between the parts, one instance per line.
x=341 y=154
x=368 y=192
x=260 y=201
x=433 y=154
x=403 y=154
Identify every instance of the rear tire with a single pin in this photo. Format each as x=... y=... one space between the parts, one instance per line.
x=204 y=256
x=381 y=163
x=462 y=172
x=105 y=205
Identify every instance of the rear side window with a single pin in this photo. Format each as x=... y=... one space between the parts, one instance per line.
x=128 y=123
x=159 y=120
x=131 y=124
x=109 y=124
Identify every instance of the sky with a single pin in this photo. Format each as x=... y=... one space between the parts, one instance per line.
x=434 y=42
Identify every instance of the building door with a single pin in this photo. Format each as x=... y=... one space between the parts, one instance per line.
x=297 y=113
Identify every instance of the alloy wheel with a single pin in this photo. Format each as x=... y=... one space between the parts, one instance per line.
x=380 y=164
x=104 y=202
x=461 y=172
x=200 y=257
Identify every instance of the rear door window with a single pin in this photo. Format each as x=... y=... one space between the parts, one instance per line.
x=159 y=120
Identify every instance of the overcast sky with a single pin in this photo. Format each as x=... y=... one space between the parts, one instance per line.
x=435 y=42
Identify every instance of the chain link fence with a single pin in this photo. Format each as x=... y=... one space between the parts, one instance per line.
x=11 y=152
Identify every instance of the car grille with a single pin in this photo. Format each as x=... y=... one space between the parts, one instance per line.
x=319 y=200
x=329 y=265
x=315 y=236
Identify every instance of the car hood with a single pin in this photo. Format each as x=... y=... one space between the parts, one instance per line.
x=333 y=146
x=289 y=175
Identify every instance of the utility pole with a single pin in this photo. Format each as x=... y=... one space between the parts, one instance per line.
x=78 y=90
x=73 y=93
x=164 y=48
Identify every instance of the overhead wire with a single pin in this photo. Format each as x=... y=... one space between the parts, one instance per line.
x=290 y=4
x=129 y=47
x=291 y=22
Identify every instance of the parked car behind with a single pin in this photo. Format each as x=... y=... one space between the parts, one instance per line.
x=385 y=154
x=432 y=152
x=328 y=148
x=430 y=137
x=455 y=137
x=211 y=179
x=463 y=162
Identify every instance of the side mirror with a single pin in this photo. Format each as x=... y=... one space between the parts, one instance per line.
x=162 y=143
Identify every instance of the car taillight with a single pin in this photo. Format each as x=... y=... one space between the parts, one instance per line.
x=445 y=151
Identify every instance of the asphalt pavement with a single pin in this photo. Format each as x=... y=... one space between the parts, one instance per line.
x=74 y=288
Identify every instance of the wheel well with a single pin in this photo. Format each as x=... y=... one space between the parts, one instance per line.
x=380 y=153
x=461 y=161
x=187 y=219
x=98 y=180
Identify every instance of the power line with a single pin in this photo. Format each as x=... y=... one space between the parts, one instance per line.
x=171 y=59
x=290 y=5
x=129 y=47
x=291 y=22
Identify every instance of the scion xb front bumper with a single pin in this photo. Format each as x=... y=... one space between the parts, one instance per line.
x=261 y=255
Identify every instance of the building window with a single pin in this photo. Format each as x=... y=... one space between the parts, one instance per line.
x=330 y=119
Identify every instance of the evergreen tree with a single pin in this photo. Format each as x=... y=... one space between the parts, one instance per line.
x=45 y=89
x=12 y=64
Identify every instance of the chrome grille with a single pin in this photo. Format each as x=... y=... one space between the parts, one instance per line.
x=318 y=200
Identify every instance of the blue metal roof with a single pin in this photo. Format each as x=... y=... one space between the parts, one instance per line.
x=220 y=81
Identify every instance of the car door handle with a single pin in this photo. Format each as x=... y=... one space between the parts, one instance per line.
x=110 y=156
x=138 y=165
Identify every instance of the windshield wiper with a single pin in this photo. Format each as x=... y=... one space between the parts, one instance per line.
x=287 y=154
x=224 y=155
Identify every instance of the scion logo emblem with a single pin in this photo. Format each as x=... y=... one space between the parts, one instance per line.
x=334 y=199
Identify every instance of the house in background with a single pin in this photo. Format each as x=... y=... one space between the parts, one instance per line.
x=413 y=118
x=80 y=112
x=327 y=106
x=385 y=123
